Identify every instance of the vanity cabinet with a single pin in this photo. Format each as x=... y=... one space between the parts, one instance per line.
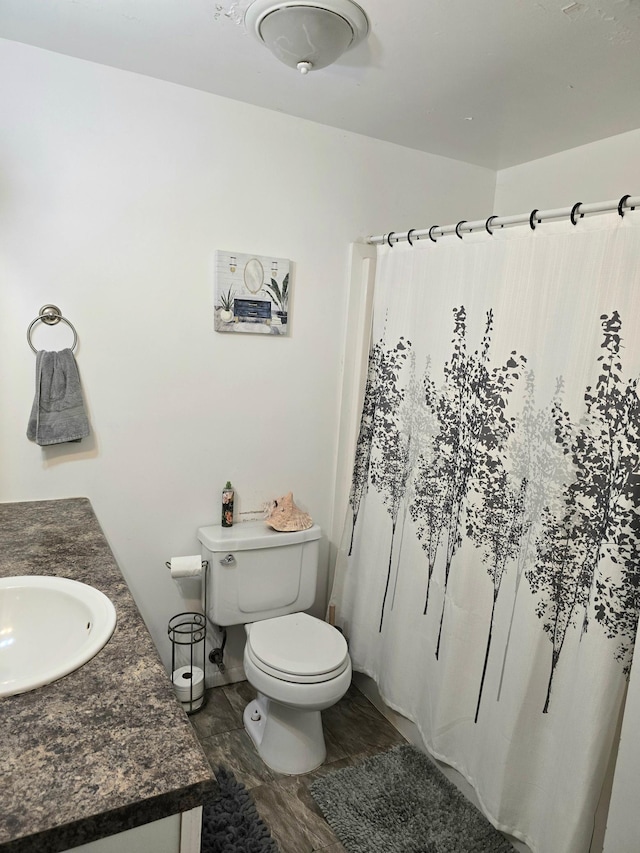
x=174 y=834
x=103 y=760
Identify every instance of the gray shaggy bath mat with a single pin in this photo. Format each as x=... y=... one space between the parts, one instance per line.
x=230 y=822
x=399 y=802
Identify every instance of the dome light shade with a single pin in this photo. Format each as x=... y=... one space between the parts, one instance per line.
x=307 y=35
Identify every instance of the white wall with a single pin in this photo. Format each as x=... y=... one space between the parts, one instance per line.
x=115 y=190
x=599 y=171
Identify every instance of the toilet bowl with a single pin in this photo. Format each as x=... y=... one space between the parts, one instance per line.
x=299 y=666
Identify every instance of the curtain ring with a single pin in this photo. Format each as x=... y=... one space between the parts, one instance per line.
x=574 y=210
x=409 y=233
x=389 y=235
x=431 y=237
x=462 y=221
x=532 y=216
x=488 y=223
x=621 y=205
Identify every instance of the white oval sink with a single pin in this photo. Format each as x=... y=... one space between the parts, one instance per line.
x=48 y=628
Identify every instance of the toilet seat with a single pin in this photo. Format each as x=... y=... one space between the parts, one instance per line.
x=295 y=678
x=297 y=648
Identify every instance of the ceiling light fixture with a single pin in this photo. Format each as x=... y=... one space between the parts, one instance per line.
x=304 y=34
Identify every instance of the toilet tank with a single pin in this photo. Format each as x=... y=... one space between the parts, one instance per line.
x=258 y=573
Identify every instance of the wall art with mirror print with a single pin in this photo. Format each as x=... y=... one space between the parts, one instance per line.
x=251 y=293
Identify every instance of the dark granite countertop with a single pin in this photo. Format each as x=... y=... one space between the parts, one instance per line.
x=107 y=747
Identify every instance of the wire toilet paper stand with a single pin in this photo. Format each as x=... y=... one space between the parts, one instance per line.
x=190 y=630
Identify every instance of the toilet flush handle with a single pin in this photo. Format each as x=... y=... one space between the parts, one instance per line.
x=229 y=560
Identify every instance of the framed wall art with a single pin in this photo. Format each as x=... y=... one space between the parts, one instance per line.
x=251 y=293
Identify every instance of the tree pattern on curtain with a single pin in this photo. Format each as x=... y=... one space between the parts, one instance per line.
x=390 y=441
x=595 y=515
x=540 y=466
x=538 y=494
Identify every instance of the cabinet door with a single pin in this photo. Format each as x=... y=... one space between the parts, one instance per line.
x=160 y=836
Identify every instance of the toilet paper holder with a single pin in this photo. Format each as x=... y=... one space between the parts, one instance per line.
x=189 y=629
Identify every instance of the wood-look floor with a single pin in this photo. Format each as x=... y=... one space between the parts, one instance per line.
x=353 y=729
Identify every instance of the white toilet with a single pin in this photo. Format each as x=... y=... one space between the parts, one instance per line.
x=299 y=665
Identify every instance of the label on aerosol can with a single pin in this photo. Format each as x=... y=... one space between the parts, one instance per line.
x=227 y=505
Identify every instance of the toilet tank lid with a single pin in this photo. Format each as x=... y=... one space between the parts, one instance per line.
x=252 y=534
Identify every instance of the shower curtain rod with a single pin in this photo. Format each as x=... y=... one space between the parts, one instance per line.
x=627 y=202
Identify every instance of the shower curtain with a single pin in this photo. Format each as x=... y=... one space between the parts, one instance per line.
x=489 y=577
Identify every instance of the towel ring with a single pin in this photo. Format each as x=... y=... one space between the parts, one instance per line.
x=51 y=314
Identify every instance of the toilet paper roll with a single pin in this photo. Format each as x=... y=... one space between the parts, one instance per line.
x=186 y=567
x=193 y=706
x=188 y=683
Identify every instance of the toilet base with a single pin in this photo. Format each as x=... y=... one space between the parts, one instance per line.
x=288 y=740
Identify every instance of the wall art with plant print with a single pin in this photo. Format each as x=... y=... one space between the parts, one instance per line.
x=251 y=293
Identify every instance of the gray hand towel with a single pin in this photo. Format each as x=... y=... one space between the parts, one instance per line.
x=57 y=414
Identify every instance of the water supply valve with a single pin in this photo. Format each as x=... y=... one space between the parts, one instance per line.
x=216 y=658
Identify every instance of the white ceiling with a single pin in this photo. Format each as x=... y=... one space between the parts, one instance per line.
x=491 y=82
